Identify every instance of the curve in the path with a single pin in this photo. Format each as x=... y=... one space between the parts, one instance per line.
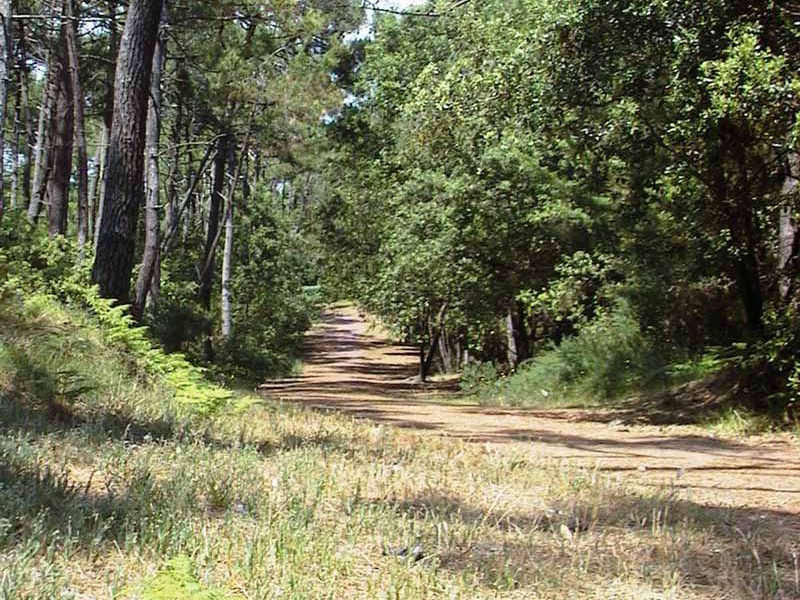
x=352 y=368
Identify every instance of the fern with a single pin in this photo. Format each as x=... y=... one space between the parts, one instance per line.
x=192 y=389
x=177 y=581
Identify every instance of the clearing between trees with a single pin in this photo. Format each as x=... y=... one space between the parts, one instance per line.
x=353 y=368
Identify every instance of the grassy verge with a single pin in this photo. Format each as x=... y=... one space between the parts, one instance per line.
x=109 y=490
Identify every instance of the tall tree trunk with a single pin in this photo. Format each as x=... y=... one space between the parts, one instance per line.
x=227 y=257
x=788 y=233
x=426 y=359
x=14 y=192
x=227 y=253
x=71 y=35
x=108 y=117
x=511 y=340
x=5 y=53
x=95 y=182
x=212 y=239
x=61 y=154
x=227 y=270
x=516 y=336
x=42 y=153
x=124 y=183
x=152 y=241
x=99 y=182
x=173 y=207
x=30 y=142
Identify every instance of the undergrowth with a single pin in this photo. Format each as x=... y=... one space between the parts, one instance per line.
x=110 y=489
x=606 y=361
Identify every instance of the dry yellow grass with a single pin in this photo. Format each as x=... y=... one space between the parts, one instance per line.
x=275 y=501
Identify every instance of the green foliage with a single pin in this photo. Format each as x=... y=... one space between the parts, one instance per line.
x=192 y=389
x=740 y=421
x=177 y=580
x=551 y=160
x=40 y=275
x=479 y=378
x=605 y=360
x=31 y=260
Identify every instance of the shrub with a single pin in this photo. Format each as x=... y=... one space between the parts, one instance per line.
x=601 y=362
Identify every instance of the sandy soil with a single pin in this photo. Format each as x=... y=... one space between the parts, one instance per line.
x=351 y=367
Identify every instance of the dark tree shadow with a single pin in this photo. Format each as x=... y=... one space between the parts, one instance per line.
x=511 y=549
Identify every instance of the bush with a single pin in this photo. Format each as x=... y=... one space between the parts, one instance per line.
x=604 y=360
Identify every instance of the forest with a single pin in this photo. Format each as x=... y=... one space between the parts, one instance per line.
x=269 y=269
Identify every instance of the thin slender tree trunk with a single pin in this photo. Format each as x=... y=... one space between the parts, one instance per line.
x=227 y=258
x=30 y=141
x=23 y=72
x=124 y=183
x=511 y=340
x=788 y=231
x=100 y=190
x=173 y=223
x=152 y=240
x=173 y=206
x=5 y=53
x=227 y=270
x=426 y=359
x=14 y=192
x=94 y=183
x=516 y=336
x=71 y=35
x=42 y=153
x=227 y=253
x=446 y=352
x=212 y=238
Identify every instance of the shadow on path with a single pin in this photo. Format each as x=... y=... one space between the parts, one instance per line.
x=353 y=369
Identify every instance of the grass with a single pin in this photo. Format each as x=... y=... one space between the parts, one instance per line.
x=604 y=364
x=738 y=421
x=109 y=491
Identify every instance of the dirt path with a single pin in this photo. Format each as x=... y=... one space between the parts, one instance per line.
x=353 y=369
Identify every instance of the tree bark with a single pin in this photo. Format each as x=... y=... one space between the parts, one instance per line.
x=62 y=127
x=14 y=192
x=227 y=257
x=788 y=234
x=511 y=340
x=23 y=71
x=212 y=239
x=108 y=116
x=5 y=52
x=426 y=359
x=94 y=182
x=99 y=181
x=227 y=270
x=124 y=185
x=516 y=336
x=42 y=154
x=152 y=241
x=172 y=181
x=71 y=36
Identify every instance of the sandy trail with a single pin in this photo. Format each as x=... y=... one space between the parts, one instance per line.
x=352 y=368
